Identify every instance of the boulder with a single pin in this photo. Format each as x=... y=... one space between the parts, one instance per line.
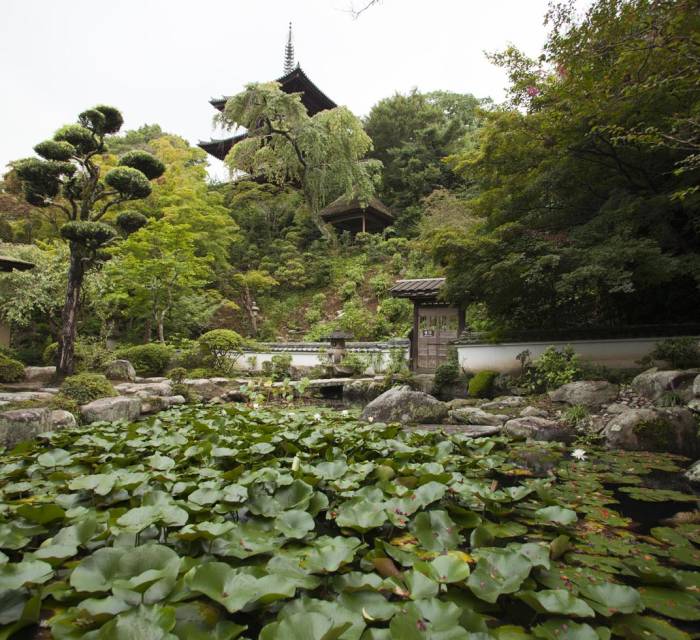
x=616 y=407
x=694 y=405
x=61 y=419
x=693 y=473
x=530 y=412
x=175 y=400
x=120 y=370
x=206 y=388
x=652 y=384
x=458 y=403
x=505 y=402
x=589 y=393
x=39 y=374
x=23 y=396
x=672 y=430
x=478 y=430
x=541 y=429
x=401 y=404
x=112 y=409
x=696 y=386
x=474 y=415
x=154 y=404
x=145 y=389
x=362 y=390
x=23 y=424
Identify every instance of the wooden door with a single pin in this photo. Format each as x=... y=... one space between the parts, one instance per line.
x=437 y=327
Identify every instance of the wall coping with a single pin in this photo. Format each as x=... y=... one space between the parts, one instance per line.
x=525 y=343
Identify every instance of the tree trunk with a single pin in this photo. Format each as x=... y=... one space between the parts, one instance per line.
x=249 y=305
x=161 y=321
x=147 y=330
x=69 y=317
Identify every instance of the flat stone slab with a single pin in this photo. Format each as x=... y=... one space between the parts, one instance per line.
x=23 y=396
x=468 y=430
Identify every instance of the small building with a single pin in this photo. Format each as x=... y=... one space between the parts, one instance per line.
x=354 y=217
x=435 y=323
x=8 y=264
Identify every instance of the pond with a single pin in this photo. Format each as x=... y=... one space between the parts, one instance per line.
x=304 y=523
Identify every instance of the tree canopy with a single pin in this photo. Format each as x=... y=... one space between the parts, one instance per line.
x=588 y=204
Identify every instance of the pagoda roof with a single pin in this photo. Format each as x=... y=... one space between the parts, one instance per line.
x=296 y=81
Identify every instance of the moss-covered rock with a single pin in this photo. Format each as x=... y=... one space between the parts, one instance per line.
x=402 y=404
x=673 y=430
x=482 y=384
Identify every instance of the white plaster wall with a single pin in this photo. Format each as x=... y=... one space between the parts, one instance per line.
x=312 y=359
x=619 y=353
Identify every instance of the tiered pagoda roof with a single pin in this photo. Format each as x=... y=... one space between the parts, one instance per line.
x=295 y=81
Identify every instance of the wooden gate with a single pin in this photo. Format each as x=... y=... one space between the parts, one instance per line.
x=437 y=327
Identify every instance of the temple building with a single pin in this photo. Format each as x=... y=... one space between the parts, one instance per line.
x=344 y=215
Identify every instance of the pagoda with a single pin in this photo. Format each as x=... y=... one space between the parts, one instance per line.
x=294 y=80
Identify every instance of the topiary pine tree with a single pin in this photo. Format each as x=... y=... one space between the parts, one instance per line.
x=66 y=177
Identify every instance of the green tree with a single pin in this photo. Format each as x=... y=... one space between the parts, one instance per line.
x=68 y=178
x=589 y=211
x=252 y=284
x=155 y=269
x=324 y=154
x=412 y=135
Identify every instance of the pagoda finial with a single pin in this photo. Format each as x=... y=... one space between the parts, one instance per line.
x=289 y=53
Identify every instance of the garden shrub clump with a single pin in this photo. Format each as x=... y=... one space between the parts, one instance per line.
x=552 y=369
x=86 y=387
x=680 y=353
x=270 y=525
x=148 y=359
x=10 y=370
x=481 y=385
x=221 y=349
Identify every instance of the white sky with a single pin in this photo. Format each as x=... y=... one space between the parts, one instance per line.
x=160 y=61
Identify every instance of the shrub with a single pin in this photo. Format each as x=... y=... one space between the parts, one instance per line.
x=90 y=355
x=481 y=385
x=86 y=387
x=221 y=348
x=553 y=369
x=148 y=359
x=446 y=374
x=10 y=370
x=281 y=365
x=178 y=374
x=355 y=363
x=8 y=352
x=680 y=353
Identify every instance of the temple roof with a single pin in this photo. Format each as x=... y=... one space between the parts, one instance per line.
x=417 y=288
x=296 y=81
x=343 y=207
x=7 y=263
x=350 y=215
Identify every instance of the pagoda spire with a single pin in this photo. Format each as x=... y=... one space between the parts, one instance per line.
x=289 y=53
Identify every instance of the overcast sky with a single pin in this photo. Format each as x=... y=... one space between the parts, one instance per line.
x=160 y=61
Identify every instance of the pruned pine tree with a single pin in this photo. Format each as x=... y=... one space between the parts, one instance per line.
x=67 y=178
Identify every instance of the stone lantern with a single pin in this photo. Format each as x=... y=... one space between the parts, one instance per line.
x=337 y=351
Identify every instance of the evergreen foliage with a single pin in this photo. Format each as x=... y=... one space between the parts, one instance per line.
x=10 y=370
x=86 y=387
x=148 y=359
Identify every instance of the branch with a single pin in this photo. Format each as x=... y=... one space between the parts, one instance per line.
x=356 y=13
x=285 y=134
x=109 y=204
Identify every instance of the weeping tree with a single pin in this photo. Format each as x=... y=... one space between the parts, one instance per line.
x=324 y=154
x=67 y=178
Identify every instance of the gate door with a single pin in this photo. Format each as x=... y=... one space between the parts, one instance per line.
x=437 y=326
